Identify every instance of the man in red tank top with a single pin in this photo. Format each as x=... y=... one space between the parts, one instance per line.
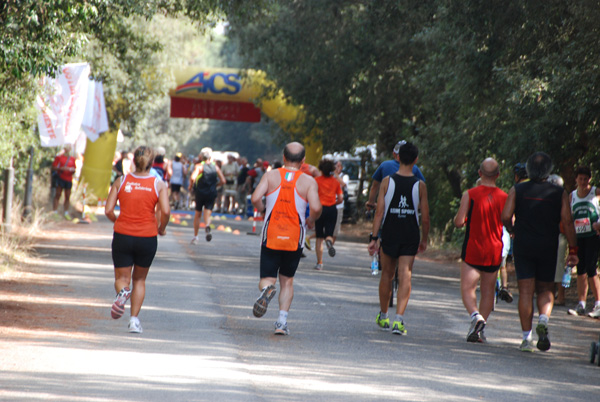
x=480 y=211
x=287 y=191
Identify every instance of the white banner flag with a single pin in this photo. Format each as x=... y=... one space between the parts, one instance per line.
x=62 y=105
x=95 y=120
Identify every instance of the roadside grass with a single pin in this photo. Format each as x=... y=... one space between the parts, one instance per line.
x=16 y=245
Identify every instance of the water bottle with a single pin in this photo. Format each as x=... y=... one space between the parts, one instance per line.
x=374 y=265
x=566 y=281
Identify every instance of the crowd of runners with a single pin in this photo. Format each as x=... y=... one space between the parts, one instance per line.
x=545 y=228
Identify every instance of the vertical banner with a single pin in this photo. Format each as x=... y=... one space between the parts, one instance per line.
x=95 y=120
x=61 y=105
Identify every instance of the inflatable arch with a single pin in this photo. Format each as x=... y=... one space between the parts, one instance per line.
x=208 y=93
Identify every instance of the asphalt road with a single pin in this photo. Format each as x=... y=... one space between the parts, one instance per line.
x=202 y=343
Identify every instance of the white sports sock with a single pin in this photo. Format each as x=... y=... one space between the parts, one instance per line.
x=527 y=336
x=283 y=315
x=399 y=318
x=544 y=319
x=582 y=303
x=475 y=314
x=383 y=316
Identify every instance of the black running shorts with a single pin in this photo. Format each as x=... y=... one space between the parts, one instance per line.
x=540 y=266
x=273 y=261
x=325 y=225
x=206 y=201
x=588 y=255
x=130 y=250
x=485 y=268
x=67 y=185
x=396 y=250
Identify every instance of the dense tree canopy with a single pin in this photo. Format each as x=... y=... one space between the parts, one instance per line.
x=463 y=79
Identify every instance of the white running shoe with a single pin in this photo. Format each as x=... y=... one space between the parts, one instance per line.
x=477 y=325
x=134 y=326
x=194 y=241
x=595 y=313
x=527 y=346
x=281 y=329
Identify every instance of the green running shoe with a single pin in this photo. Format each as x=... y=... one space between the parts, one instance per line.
x=543 y=343
x=398 y=328
x=383 y=324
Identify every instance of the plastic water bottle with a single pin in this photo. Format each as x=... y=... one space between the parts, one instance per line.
x=374 y=265
x=566 y=281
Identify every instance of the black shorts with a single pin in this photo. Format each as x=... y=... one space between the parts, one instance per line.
x=130 y=250
x=273 y=261
x=541 y=266
x=67 y=185
x=325 y=225
x=396 y=250
x=206 y=201
x=175 y=188
x=588 y=255
x=485 y=268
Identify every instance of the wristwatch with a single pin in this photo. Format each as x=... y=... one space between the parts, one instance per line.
x=371 y=237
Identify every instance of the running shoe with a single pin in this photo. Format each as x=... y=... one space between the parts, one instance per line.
x=67 y=216
x=319 y=267
x=505 y=295
x=477 y=325
x=595 y=313
x=330 y=248
x=194 y=241
x=118 y=306
x=134 y=326
x=579 y=310
x=527 y=346
x=398 y=328
x=281 y=329
x=307 y=243
x=543 y=342
x=384 y=324
x=261 y=304
x=208 y=234
x=482 y=337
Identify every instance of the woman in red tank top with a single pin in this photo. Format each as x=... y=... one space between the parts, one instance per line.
x=135 y=232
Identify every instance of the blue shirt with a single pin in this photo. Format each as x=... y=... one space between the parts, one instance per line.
x=390 y=167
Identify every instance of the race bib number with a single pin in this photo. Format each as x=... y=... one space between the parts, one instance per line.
x=583 y=225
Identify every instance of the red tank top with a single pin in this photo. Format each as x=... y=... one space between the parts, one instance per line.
x=284 y=223
x=483 y=238
x=137 y=200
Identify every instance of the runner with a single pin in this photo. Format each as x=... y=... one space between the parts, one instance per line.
x=401 y=197
x=480 y=211
x=134 y=241
x=538 y=208
x=330 y=195
x=386 y=169
x=585 y=206
x=177 y=172
x=204 y=181
x=63 y=168
x=287 y=192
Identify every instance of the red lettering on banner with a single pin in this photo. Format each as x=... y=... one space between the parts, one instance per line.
x=211 y=109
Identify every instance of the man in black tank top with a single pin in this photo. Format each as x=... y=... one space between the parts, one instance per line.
x=539 y=208
x=204 y=181
x=401 y=197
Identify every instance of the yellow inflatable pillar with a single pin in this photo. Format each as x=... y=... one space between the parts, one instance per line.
x=97 y=167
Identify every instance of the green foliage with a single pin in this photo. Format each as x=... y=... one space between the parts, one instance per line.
x=464 y=80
